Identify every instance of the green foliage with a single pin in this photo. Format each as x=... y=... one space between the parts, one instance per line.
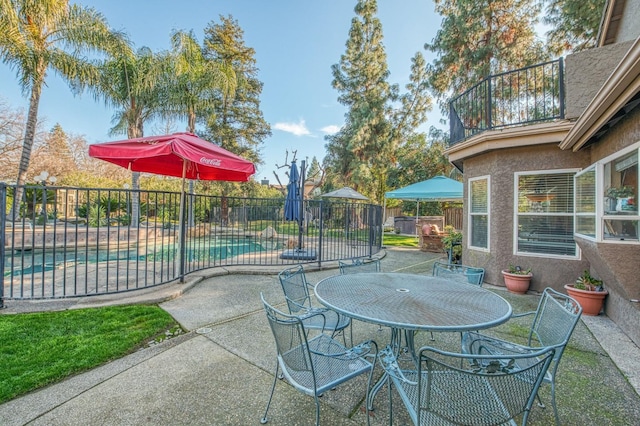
x=587 y=282
x=620 y=191
x=379 y=118
x=37 y=38
x=451 y=237
x=478 y=38
x=236 y=122
x=43 y=348
x=97 y=215
x=518 y=270
x=574 y=24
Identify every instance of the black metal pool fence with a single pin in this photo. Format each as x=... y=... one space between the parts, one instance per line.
x=69 y=242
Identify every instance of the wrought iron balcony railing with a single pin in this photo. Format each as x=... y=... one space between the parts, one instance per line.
x=525 y=96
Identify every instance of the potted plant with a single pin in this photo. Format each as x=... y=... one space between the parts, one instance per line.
x=620 y=196
x=589 y=292
x=517 y=279
x=452 y=243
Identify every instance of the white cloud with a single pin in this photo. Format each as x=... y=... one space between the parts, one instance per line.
x=331 y=129
x=298 y=129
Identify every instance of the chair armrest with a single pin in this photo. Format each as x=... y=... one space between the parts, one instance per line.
x=299 y=305
x=310 y=313
x=333 y=349
x=389 y=363
x=523 y=314
x=478 y=344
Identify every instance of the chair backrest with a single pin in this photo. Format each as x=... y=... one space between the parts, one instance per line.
x=554 y=321
x=464 y=273
x=296 y=289
x=291 y=341
x=357 y=266
x=478 y=389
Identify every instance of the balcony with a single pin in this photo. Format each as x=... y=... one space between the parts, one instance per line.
x=525 y=96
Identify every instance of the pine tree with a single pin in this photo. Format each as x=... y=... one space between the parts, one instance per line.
x=237 y=123
x=363 y=152
x=478 y=38
x=574 y=23
x=355 y=152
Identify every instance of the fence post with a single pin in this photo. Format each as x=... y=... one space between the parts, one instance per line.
x=320 y=235
x=561 y=94
x=489 y=108
x=3 y=225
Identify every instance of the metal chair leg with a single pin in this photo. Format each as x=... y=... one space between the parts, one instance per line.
x=273 y=388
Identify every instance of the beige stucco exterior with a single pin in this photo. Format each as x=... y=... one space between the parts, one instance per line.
x=628 y=29
x=602 y=117
x=617 y=263
x=585 y=72
x=500 y=166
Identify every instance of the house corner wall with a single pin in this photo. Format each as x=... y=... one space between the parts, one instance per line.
x=501 y=166
x=585 y=72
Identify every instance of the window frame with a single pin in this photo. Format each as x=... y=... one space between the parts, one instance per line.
x=487 y=213
x=601 y=215
x=598 y=188
x=516 y=214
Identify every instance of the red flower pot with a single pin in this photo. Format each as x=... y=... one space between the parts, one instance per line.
x=591 y=301
x=517 y=283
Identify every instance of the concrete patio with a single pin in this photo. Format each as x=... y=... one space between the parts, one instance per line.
x=221 y=371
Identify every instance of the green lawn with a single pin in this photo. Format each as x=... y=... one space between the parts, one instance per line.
x=42 y=348
x=398 y=240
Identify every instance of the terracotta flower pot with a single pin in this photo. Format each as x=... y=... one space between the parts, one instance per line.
x=591 y=301
x=517 y=283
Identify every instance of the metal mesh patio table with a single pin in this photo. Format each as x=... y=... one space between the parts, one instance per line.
x=411 y=302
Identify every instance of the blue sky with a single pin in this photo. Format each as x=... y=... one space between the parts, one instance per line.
x=296 y=42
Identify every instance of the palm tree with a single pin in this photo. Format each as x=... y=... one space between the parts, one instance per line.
x=190 y=93
x=38 y=36
x=130 y=84
x=193 y=83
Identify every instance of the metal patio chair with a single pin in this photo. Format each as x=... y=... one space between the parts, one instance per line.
x=314 y=366
x=296 y=292
x=463 y=389
x=553 y=323
x=358 y=266
x=462 y=273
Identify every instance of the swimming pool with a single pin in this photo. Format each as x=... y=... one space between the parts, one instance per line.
x=37 y=261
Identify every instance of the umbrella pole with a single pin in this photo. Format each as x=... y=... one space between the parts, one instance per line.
x=417 y=215
x=182 y=228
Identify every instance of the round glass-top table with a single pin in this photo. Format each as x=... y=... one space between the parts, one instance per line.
x=413 y=302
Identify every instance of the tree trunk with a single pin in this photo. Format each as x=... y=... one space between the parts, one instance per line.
x=27 y=145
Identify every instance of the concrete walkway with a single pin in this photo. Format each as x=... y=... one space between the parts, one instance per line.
x=221 y=371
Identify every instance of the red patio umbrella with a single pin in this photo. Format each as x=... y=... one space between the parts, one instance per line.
x=179 y=154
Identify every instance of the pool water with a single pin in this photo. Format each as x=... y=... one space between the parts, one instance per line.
x=33 y=262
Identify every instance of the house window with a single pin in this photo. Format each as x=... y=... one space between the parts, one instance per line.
x=545 y=214
x=479 y=213
x=585 y=201
x=620 y=196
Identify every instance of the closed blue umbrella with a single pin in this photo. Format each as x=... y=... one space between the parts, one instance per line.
x=294 y=211
x=292 y=202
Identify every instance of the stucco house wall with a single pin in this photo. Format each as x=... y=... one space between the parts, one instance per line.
x=501 y=166
x=617 y=264
x=585 y=72
x=628 y=29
